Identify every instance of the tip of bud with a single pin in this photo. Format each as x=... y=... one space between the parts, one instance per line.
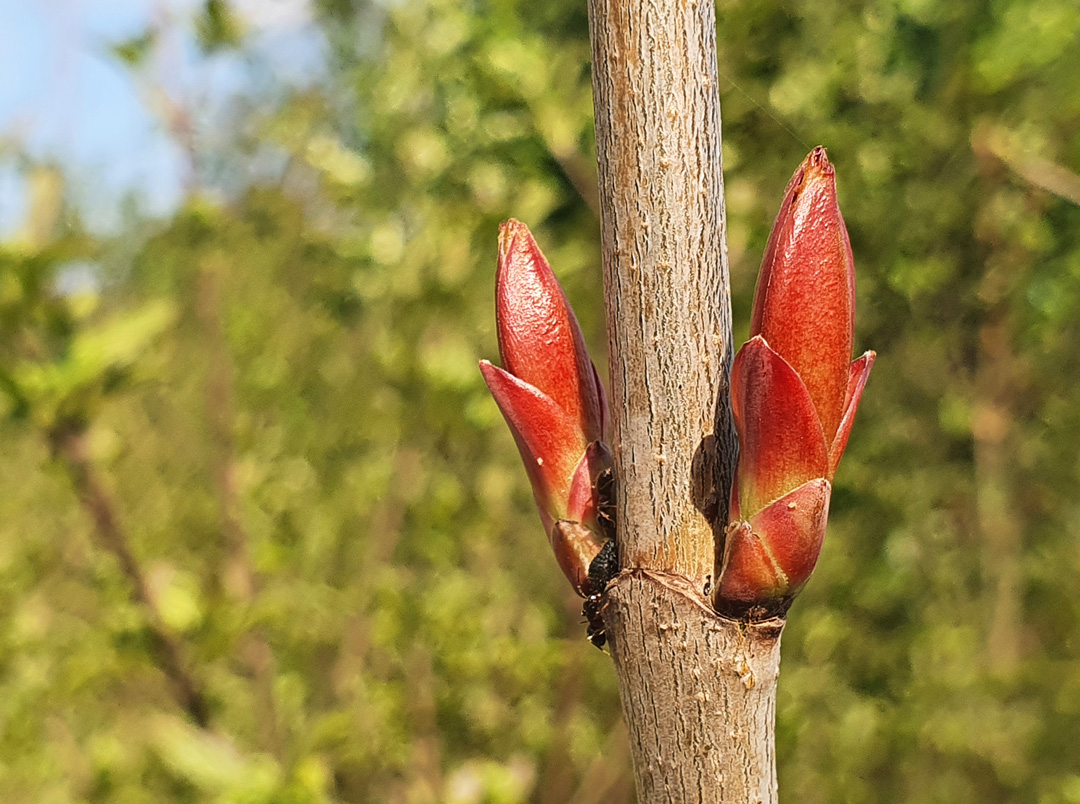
x=819 y=157
x=814 y=168
x=818 y=165
x=509 y=231
x=511 y=226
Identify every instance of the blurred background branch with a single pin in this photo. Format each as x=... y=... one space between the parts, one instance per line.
x=69 y=444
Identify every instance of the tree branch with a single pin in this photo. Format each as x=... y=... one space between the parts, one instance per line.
x=241 y=580
x=698 y=691
x=665 y=272
x=69 y=443
x=698 y=694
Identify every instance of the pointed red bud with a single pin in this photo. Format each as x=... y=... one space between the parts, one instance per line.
x=794 y=393
x=540 y=341
x=804 y=305
x=551 y=397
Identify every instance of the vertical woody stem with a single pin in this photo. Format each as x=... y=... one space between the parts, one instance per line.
x=665 y=271
x=698 y=691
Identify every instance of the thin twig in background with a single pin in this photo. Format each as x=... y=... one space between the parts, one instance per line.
x=241 y=580
x=69 y=444
x=1015 y=153
x=578 y=170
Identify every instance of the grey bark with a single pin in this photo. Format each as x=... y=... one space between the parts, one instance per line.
x=698 y=690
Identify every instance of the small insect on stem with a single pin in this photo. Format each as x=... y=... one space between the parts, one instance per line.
x=605 y=566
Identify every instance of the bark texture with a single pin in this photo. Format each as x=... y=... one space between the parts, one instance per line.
x=698 y=691
x=665 y=272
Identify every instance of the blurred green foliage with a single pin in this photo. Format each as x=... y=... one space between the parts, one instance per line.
x=279 y=397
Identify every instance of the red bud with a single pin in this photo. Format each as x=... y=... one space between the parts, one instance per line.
x=804 y=305
x=551 y=397
x=540 y=341
x=794 y=393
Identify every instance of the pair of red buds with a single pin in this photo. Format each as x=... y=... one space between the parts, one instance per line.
x=794 y=397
